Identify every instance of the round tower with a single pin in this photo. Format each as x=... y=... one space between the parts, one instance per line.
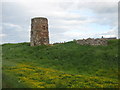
x=39 y=31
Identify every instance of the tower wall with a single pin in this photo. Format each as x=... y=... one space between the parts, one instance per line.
x=39 y=31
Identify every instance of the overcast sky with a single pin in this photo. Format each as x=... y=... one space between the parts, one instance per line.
x=68 y=19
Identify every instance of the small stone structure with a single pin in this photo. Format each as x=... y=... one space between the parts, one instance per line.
x=90 y=41
x=39 y=31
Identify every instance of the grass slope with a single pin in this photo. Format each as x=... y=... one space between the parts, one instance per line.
x=64 y=62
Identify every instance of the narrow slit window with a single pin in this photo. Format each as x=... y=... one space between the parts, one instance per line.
x=44 y=27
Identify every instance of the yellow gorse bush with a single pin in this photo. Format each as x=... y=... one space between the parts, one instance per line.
x=38 y=77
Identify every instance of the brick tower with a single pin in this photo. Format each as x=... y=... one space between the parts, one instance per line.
x=39 y=31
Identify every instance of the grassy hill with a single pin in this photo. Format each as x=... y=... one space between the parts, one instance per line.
x=67 y=65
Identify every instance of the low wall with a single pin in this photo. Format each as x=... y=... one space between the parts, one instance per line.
x=90 y=41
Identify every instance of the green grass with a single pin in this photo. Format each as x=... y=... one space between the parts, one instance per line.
x=70 y=58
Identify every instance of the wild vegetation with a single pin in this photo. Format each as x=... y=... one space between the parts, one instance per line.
x=67 y=65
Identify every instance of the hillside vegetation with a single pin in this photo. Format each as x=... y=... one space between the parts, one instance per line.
x=67 y=65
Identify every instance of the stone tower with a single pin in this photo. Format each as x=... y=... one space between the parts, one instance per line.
x=39 y=31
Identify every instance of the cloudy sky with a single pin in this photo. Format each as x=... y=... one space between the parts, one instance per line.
x=68 y=19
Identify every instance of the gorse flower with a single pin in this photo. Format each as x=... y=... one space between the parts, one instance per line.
x=38 y=77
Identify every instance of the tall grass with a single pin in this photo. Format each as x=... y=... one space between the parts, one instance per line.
x=69 y=57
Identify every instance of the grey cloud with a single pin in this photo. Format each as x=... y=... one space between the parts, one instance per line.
x=15 y=13
x=105 y=12
x=14 y=34
x=61 y=20
x=106 y=8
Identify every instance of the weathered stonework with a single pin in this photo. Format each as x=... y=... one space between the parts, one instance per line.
x=91 y=41
x=39 y=31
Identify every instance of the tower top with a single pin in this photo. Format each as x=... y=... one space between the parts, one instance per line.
x=39 y=18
